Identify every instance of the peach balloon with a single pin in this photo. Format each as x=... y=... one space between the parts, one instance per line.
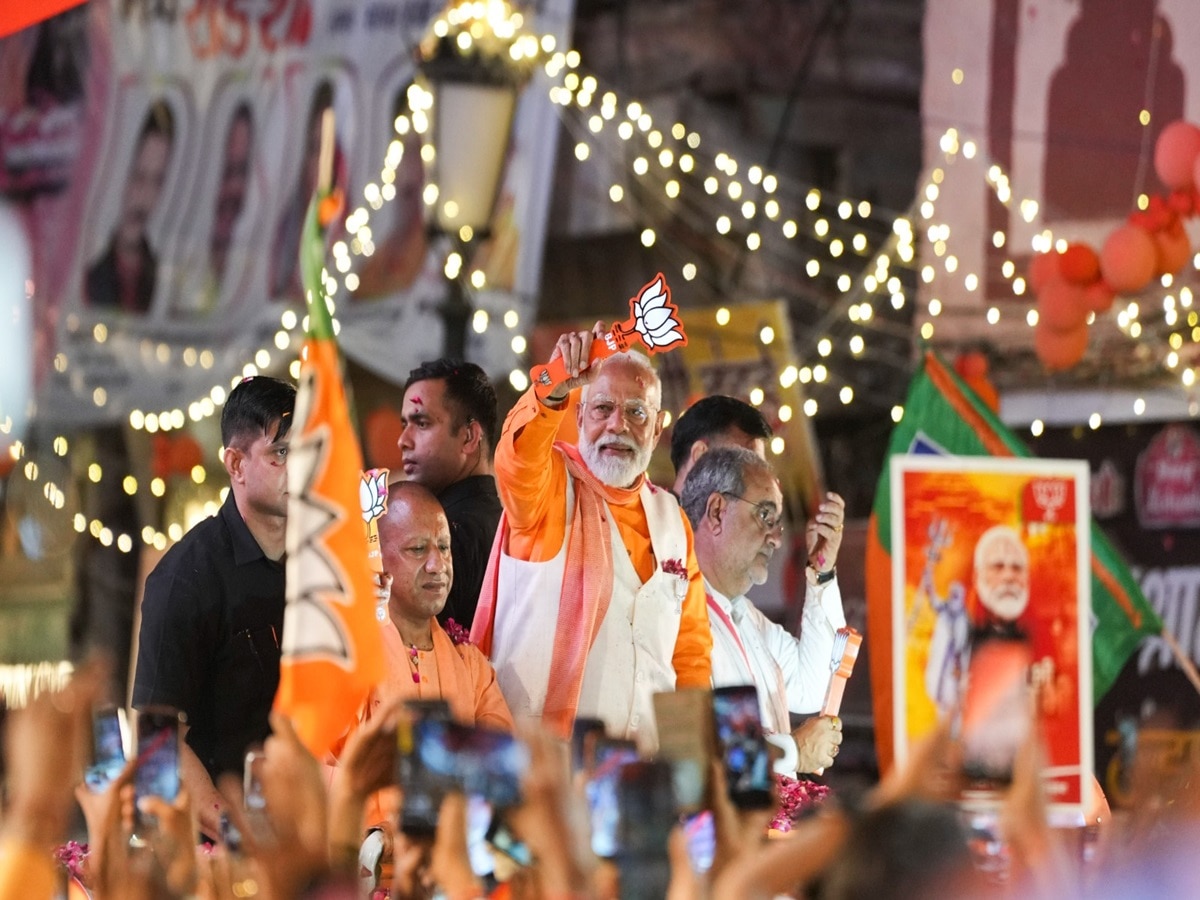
x=1061 y=306
x=1175 y=154
x=1098 y=297
x=1042 y=268
x=1059 y=350
x=1172 y=249
x=1127 y=259
x=1079 y=264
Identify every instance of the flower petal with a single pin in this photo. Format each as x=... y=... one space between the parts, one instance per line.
x=670 y=336
x=658 y=317
x=653 y=295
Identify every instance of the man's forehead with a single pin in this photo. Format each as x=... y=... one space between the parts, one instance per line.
x=619 y=381
x=425 y=395
x=762 y=485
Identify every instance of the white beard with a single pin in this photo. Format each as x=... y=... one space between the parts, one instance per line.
x=615 y=472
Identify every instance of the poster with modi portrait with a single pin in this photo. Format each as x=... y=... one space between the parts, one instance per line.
x=994 y=555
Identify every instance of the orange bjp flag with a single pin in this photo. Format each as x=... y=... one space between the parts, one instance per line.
x=16 y=15
x=332 y=654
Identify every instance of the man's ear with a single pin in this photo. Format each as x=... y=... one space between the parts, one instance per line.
x=234 y=460
x=699 y=448
x=659 y=419
x=714 y=511
x=473 y=439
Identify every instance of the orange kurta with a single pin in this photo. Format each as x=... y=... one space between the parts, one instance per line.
x=532 y=482
x=26 y=871
x=458 y=674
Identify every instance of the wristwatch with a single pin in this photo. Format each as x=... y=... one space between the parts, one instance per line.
x=820 y=578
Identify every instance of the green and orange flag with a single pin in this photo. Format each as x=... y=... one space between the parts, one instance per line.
x=332 y=651
x=943 y=416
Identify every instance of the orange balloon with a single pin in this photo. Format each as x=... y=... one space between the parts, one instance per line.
x=1098 y=297
x=1127 y=259
x=1079 y=264
x=971 y=365
x=1175 y=154
x=1172 y=249
x=1061 y=306
x=1042 y=268
x=1059 y=350
x=383 y=427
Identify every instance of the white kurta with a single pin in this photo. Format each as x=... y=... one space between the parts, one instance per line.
x=791 y=674
x=631 y=657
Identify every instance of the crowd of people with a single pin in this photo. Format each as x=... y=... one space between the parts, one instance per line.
x=530 y=586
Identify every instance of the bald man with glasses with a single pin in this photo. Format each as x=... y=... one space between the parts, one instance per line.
x=593 y=599
x=735 y=506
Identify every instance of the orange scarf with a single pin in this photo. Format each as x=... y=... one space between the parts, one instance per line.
x=586 y=589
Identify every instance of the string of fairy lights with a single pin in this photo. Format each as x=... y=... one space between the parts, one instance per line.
x=733 y=199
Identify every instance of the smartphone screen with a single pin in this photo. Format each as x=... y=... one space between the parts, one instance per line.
x=108 y=748
x=744 y=750
x=701 y=841
x=584 y=733
x=421 y=766
x=646 y=800
x=601 y=791
x=646 y=807
x=158 y=759
x=997 y=710
x=504 y=841
x=487 y=764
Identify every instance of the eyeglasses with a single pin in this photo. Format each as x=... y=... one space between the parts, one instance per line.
x=634 y=411
x=765 y=513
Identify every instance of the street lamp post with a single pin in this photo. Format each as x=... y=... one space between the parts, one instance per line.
x=474 y=74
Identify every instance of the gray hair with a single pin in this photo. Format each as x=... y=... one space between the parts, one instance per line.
x=635 y=360
x=995 y=535
x=721 y=470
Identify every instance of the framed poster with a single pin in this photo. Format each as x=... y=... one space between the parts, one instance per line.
x=993 y=552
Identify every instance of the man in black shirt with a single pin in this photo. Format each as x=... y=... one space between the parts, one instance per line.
x=212 y=611
x=449 y=434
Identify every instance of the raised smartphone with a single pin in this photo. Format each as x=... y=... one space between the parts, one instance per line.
x=108 y=747
x=601 y=791
x=157 y=772
x=742 y=746
x=997 y=710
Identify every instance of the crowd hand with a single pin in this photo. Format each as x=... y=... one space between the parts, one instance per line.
x=574 y=349
x=367 y=764
x=824 y=532
x=450 y=861
x=933 y=771
x=46 y=745
x=787 y=865
x=173 y=840
x=685 y=884
x=116 y=870
x=1036 y=847
x=292 y=847
x=818 y=741
x=738 y=832
x=226 y=875
x=410 y=866
x=543 y=821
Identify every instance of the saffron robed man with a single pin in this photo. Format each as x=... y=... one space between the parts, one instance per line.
x=593 y=600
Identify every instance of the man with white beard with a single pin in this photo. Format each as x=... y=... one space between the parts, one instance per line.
x=1002 y=575
x=593 y=600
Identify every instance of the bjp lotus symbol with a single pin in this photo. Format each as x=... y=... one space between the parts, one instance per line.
x=653 y=321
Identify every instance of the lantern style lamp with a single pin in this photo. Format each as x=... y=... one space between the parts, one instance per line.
x=474 y=66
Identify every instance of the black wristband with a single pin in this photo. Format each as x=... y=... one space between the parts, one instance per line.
x=824 y=577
